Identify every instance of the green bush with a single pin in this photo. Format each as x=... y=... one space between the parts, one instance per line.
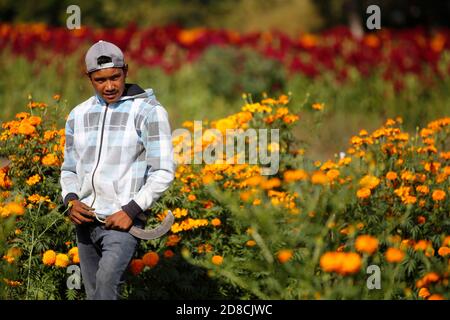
x=230 y=71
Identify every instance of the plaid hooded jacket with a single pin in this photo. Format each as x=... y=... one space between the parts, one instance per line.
x=118 y=156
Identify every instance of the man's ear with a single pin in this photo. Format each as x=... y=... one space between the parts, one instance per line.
x=125 y=70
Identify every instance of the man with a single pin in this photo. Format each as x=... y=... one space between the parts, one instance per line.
x=118 y=160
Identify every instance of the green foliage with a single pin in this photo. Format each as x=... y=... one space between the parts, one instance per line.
x=188 y=13
x=6 y=228
x=229 y=71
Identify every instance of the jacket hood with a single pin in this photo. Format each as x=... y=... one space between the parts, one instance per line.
x=132 y=91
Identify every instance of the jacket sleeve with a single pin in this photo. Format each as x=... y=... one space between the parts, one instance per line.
x=69 y=181
x=157 y=138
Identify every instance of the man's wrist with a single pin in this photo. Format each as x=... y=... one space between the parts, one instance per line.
x=132 y=209
x=70 y=197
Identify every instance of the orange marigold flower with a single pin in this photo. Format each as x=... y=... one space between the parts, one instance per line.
x=49 y=159
x=366 y=243
x=284 y=255
x=250 y=243
x=363 y=193
x=271 y=183
x=424 y=245
x=14 y=253
x=33 y=180
x=26 y=128
x=438 y=195
x=253 y=181
x=369 y=181
x=344 y=161
x=355 y=140
x=245 y=195
x=34 y=120
x=5 y=181
x=341 y=262
x=408 y=176
x=76 y=259
x=22 y=115
x=223 y=124
x=282 y=112
x=394 y=255
x=444 y=251
x=216 y=222
x=432 y=166
x=424 y=293
x=426 y=132
x=319 y=177
x=150 y=259
x=318 y=106
x=217 y=260
x=192 y=197
x=168 y=254
x=436 y=297
x=409 y=200
x=351 y=263
x=290 y=118
x=72 y=252
x=49 y=134
x=294 y=175
x=363 y=132
x=331 y=261
x=431 y=277
x=391 y=175
x=179 y=213
x=14 y=208
x=421 y=219
x=62 y=260
x=423 y=189
x=332 y=174
x=136 y=266
x=402 y=192
x=208 y=179
x=427 y=279
x=446 y=241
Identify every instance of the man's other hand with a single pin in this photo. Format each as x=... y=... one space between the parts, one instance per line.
x=80 y=213
x=119 y=221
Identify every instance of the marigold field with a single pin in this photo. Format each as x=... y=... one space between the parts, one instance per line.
x=373 y=206
x=308 y=232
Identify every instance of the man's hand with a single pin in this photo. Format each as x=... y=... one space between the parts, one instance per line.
x=80 y=213
x=119 y=221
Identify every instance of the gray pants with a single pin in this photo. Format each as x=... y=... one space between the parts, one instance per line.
x=104 y=258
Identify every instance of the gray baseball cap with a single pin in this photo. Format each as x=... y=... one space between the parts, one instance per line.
x=107 y=49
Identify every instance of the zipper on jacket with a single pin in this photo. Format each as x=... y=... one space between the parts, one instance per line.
x=99 y=154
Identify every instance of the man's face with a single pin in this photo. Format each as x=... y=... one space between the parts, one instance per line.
x=109 y=83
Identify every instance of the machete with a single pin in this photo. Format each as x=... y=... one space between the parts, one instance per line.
x=159 y=231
